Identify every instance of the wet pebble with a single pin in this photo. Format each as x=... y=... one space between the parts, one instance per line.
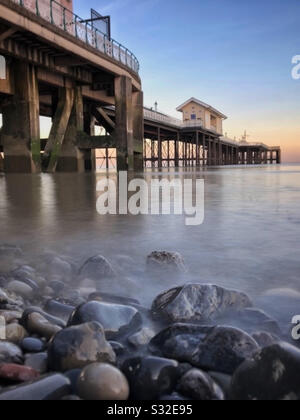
x=37 y=324
x=141 y=338
x=15 y=333
x=11 y=316
x=221 y=349
x=59 y=309
x=166 y=261
x=116 y=320
x=199 y=386
x=271 y=375
x=197 y=303
x=20 y=288
x=97 y=268
x=32 y=345
x=78 y=346
x=102 y=382
x=48 y=388
x=17 y=373
x=150 y=377
x=10 y=353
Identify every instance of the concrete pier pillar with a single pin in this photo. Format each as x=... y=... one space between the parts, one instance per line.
x=72 y=159
x=21 y=126
x=124 y=123
x=138 y=130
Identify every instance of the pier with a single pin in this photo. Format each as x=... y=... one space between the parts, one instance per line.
x=58 y=65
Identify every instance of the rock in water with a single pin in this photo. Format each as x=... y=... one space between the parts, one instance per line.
x=10 y=353
x=79 y=346
x=166 y=261
x=102 y=382
x=220 y=349
x=150 y=377
x=116 y=320
x=198 y=303
x=48 y=388
x=200 y=386
x=97 y=268
x=273 y=374
x=18 y=373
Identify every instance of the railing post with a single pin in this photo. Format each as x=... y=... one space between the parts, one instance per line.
x=76 y=29
x=120 y=57
x=21 y=2
x=64 y=19
x=96 y=39
x=51 y=12
x=105 y=46
x=86 y=33
x=37 y=7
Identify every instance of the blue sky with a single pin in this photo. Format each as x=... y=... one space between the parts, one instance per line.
x=234 y=54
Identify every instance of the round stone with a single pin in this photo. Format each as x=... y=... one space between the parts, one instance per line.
x=10 y=353
x=32 y=345
x=102 y=382
x=77 y=347
x=199 y=386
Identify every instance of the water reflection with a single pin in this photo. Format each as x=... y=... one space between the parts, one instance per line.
x=249 y=240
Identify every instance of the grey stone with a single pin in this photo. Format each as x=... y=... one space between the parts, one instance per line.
x=49 y=388
x=97 y=268
x=102 y=382
x=221 y=349
x=141 y=338
x=166 y=261
x=116 y=320
x=199 y=386
x=20 y=288
x=79 y=346
x=10 y=353
x=198 y=303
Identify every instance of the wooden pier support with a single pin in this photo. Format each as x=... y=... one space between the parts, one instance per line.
x=21 y=128
x=124 y=123
x=138 y=129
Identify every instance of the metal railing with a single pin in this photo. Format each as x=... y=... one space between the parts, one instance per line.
x=61 y=17
x=153 y=115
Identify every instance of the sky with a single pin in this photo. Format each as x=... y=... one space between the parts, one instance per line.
x=233 y=54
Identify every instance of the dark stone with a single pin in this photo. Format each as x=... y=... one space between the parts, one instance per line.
x=32 y=345
x=118 y=348
x=10 y=353
x=199 y=386
x=166 y=261
x=221 y=349
x=49 y=388
x=150 y=377
x=79 y=346
x=33 y=309
x=197 y=303
x=73 y=376
x=117 y=320
x=273 y=374
x=223 y=380
x=97 y=268
x=71 y=398
x=58 y=309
